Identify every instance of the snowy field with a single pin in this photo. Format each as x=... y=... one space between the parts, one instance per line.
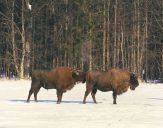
x=142 y=108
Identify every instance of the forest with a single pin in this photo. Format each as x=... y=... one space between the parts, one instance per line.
x=83 y=34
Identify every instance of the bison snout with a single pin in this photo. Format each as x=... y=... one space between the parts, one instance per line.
x=132 y=88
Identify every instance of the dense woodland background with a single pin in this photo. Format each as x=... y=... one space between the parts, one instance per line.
x=83 y=34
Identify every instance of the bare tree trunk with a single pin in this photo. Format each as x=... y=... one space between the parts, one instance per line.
x=133 y=57
x=138 y=39
x=66 y=38
x=115 y=33
x=90 y=43
x=13 y=38
x=118 y=50
x=21 y=71
x=104 y=39
x=121 y=47
x=146 y=39
x=108 y=36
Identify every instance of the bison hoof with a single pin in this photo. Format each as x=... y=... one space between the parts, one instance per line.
x=95 y=102
x=114 y=103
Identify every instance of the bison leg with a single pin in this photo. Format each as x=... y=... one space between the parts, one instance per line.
x=30 y=93
x=93 y=93
x=59 y=96
x=34 y=86
x=35 y=93
x=114 y=97
x=88 y=90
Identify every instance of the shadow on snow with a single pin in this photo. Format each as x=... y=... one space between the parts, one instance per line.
x=155 y=98
x=52 y=101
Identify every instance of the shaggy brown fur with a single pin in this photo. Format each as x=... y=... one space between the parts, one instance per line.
x=116 y=80
x=61 y=79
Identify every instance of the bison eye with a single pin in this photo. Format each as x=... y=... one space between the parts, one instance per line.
x=75 y=74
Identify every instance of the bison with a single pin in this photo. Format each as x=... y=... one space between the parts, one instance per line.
x=60 y=78
x=116 y=80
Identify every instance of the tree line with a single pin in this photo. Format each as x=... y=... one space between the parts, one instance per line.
x=83 y=34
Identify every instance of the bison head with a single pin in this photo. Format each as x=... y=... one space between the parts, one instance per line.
x=79 y=76
x=133 y=81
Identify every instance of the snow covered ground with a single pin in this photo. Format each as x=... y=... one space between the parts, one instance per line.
x=142 y=108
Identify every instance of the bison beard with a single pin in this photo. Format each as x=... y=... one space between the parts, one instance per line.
x=61 y=79
x=116 y=80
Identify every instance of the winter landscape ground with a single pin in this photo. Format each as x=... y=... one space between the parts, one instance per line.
x=142 y=108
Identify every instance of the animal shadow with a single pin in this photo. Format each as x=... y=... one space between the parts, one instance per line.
x=52 y=101
x=155 y=98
